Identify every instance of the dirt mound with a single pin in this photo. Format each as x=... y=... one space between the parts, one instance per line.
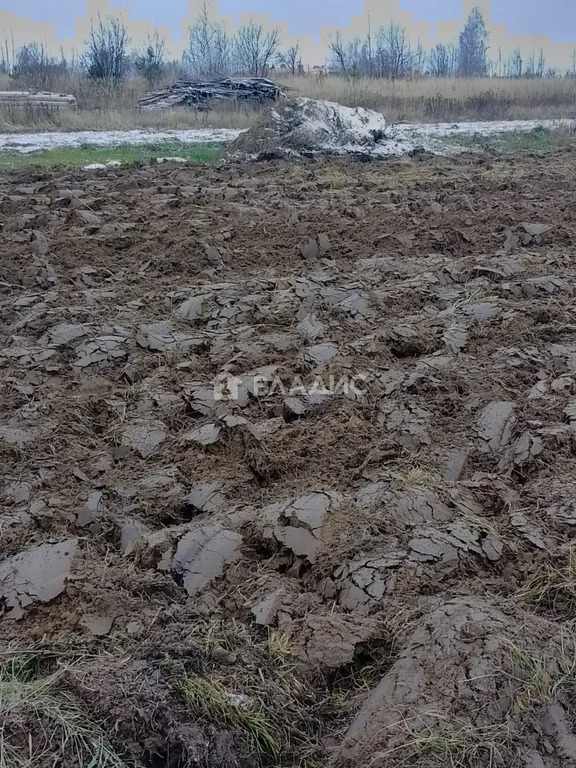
x=306 y=127
x=463 y=677
x=288 y=451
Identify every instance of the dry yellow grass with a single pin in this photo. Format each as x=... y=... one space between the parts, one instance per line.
x=104 y=107
x=124 y=119
x=432 y=99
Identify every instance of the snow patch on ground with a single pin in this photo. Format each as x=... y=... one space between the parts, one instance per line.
x=118 y=164
x=35 y=142
x=357 y=124
x=100 y=166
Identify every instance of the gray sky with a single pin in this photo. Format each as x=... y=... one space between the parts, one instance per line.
x=556 y=18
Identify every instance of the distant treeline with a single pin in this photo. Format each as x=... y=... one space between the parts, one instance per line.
x=385 y=53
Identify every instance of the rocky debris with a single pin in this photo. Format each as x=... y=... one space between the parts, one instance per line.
x=89 y=513
x=63 y=334
x=416 y=508
x=319 y=355
x=163 y=336
x=36 y=575
x=311 y=328
x=495 y=424
x=131 y=532
x=145 y=436
x=204 y=497
x=266 y=610
x=410 y=422
x=205 y=435
x=98 y=626
x=534 y=232
x=192 y=308
x=100 y=350
x=202 y=554
x=331 y=642
x=297 y=524
x=363 y=583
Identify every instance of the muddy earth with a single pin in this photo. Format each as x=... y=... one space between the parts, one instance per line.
x=289 y=464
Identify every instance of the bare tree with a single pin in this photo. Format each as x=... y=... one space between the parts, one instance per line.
x=473 y=47
x=395 y=57
x=441 y=60
x=339 y=51
x=209 y=48
x=291 y=59
x=150 y=60
x=515 y=64
x=418 y=61
x=535 y=66
x=399 y=50
x=35 y=68
x=7 y=56
x=106 y=56
x=255 y=49
x=541 y=64
x=387 y=53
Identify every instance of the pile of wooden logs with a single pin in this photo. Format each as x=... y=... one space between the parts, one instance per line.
x=200 y=95
x=37 y=100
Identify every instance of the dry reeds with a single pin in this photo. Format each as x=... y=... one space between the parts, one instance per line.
x=106 y=106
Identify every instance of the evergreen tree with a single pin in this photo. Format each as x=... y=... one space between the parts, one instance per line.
x=473 y=47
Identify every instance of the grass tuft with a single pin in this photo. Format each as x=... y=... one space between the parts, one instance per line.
x=278 y=712
x=280 y=649
x=454 y=742
x=41 y=723
x=539 y=679
x=553 y=587
x=210 y=701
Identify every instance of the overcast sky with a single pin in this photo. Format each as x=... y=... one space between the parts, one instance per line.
x=556 y=18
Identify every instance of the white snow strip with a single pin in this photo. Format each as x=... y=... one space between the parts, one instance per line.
x=405 y=137
x=34 y=142
x=489 y=128
x=424 y=134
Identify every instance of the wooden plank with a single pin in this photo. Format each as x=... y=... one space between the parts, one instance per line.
x=37 y=98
